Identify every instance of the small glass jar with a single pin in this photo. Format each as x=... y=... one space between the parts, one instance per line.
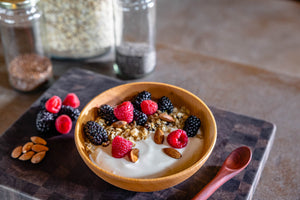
x=77 y=29
x=28 y=68
x=135 y=32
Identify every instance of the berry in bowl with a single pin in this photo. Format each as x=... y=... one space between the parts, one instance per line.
x=145 y=136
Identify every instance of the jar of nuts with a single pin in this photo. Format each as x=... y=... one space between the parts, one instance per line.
x=28 y=68
x=78 y=29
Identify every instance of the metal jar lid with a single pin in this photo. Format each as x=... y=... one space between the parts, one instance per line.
x=17 y=4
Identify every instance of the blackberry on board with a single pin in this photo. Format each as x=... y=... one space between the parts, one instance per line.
x=95 y=133
x=192 y=125
x=165 y=105
x=137 y=100
x=43 y=102
x=73 y=113
x=140 y=117
x=44 y=121
x=107 y=113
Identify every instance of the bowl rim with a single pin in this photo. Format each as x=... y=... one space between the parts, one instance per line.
x=171 y=176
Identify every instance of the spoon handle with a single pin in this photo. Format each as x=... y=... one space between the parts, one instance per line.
x=221 y=178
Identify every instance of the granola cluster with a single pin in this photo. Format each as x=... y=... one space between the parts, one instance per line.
x=134 y=132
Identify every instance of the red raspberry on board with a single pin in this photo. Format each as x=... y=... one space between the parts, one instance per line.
x=53 y=104
x=178 y=139
x=120 y=147
x=63 y=124
x=149 y=107
x=71 y=100
x=124 y=111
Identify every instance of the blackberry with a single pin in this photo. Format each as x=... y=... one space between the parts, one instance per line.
x=43 y=102
x=44 y=121
x=137 y=100
x=73 y=113
x=107 y=113
x=95 y=132
x=165 y=105
x=191 y=125
x=139 y=117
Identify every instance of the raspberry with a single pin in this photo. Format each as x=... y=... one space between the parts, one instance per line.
x=139 y=98
x=149 y=107
x=53 y=104
x=95 y=133
x=192 y=125
x=165 y=104
x=107 y=113
x=71 y=100
x=124 y=112
x=178 y=139
x=120 y=147
x=63 y=124
x=139 y=117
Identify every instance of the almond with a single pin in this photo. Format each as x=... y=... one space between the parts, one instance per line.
x=105 y=144
x=16 y=152
x=38 y=157
x=26 y=156
x=166 y=117
x=119 y=124
x=38 y=140
x=27 y=147
x=134 y=155
x=172 y=153
x=39 y=148
x=159 y=136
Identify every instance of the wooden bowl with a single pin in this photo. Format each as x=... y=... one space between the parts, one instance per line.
x=178 y=96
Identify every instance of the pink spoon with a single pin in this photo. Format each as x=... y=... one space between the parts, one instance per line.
x=234 y=163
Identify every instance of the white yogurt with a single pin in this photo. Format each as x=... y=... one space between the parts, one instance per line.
x=153 y=162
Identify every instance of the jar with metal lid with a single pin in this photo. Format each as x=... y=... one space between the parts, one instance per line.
x=28 y=68
x=80 y=29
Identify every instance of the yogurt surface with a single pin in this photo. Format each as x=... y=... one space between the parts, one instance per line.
x=152 y=163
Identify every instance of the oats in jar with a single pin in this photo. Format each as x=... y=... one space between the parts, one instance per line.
x=77 y=29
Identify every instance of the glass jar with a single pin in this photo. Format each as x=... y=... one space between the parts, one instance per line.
x=135 y=31
x=27 y=67
x=77 y=29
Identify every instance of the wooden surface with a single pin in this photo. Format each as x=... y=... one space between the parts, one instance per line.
x=63 y=175
x=240 y=56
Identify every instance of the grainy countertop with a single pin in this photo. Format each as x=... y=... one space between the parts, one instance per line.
x=241 y=56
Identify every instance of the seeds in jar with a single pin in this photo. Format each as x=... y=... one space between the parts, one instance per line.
x=135 y=59
x=27 y=72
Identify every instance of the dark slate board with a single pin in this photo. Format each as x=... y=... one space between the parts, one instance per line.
x=63 y=175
